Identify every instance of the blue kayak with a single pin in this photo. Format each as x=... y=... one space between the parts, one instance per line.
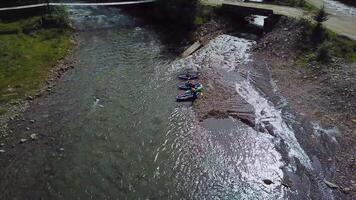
x=187 y=86
x=186 y=97
x=188 y=76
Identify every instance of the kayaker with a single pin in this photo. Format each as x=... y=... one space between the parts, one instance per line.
x=198 y=88
x=195 y=93
x=190 y=84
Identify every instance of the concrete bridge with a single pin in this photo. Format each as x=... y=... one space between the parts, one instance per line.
x=258 y=8
x=340 y=24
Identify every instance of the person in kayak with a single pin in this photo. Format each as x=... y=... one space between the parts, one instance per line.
x=190 y=84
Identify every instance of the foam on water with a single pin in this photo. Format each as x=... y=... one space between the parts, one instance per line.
x=229 y=52
x=266 y=112
x=224 y=51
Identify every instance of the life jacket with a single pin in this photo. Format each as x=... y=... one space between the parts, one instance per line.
x=199 y=88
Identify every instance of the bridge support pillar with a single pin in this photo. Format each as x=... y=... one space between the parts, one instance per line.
x=269 y=22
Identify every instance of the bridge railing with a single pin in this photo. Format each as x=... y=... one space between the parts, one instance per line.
x=76 y=4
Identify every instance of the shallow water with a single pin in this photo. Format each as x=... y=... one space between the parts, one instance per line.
x=122 y=136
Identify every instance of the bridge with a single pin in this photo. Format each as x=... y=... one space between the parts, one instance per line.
x=76 y=4
x=340 y=24
x=257 y=8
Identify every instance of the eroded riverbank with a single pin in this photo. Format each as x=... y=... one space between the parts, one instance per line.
x=256 y=84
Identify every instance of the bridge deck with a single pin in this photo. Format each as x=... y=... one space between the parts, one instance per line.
x=277 y=9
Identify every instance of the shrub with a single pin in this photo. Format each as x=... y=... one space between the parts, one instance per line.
x=318 y=35
x=321 y=15
x=323 y=53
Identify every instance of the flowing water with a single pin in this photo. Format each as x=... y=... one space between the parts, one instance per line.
x=122 y=136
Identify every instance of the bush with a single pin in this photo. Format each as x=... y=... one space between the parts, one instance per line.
x=321 y=15
x=323 y=53
x=319 y=34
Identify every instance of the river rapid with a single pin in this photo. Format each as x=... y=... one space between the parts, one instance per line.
x=121 y=135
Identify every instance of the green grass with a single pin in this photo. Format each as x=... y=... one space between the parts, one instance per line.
x=339 y=46
x=342 y=47
x=310 y=7
x=26 y=59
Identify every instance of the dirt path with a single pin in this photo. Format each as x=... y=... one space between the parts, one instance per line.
x=342 y=23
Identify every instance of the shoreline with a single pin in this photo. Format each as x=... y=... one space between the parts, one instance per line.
x=275 y=59
x=16 y=108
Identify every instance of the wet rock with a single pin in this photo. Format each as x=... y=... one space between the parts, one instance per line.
x=346 y=190
x=2 y=151
x=331 y=185
x=23 y=140
x=30 y=98
x=61 y=149
x=32 y=121
x=27 y=128
x=33 y=136
x=2 y=144
x=267 y=181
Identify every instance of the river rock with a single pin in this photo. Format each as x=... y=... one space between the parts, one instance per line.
x=346 y=190
x=33 y=136
x=23 y=140
x=30 y=98
x=2 y=151
x=331 y=185
x=267 y=181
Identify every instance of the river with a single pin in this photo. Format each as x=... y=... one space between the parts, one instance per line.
x=121 y=135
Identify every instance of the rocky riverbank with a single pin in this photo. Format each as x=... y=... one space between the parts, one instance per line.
x=320 y=96
x=16 y=108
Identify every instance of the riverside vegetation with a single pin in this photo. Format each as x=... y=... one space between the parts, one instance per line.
x=320 y=44
x=30 y=47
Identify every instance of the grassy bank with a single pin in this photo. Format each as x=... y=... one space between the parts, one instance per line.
x=321 y=44
x=28 y=53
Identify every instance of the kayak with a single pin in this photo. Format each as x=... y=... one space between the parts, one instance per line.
x=185 y=86
x=188 y=76
x=185 y=97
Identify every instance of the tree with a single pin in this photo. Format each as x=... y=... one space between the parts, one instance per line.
x=321 y=15
x=319 y=33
